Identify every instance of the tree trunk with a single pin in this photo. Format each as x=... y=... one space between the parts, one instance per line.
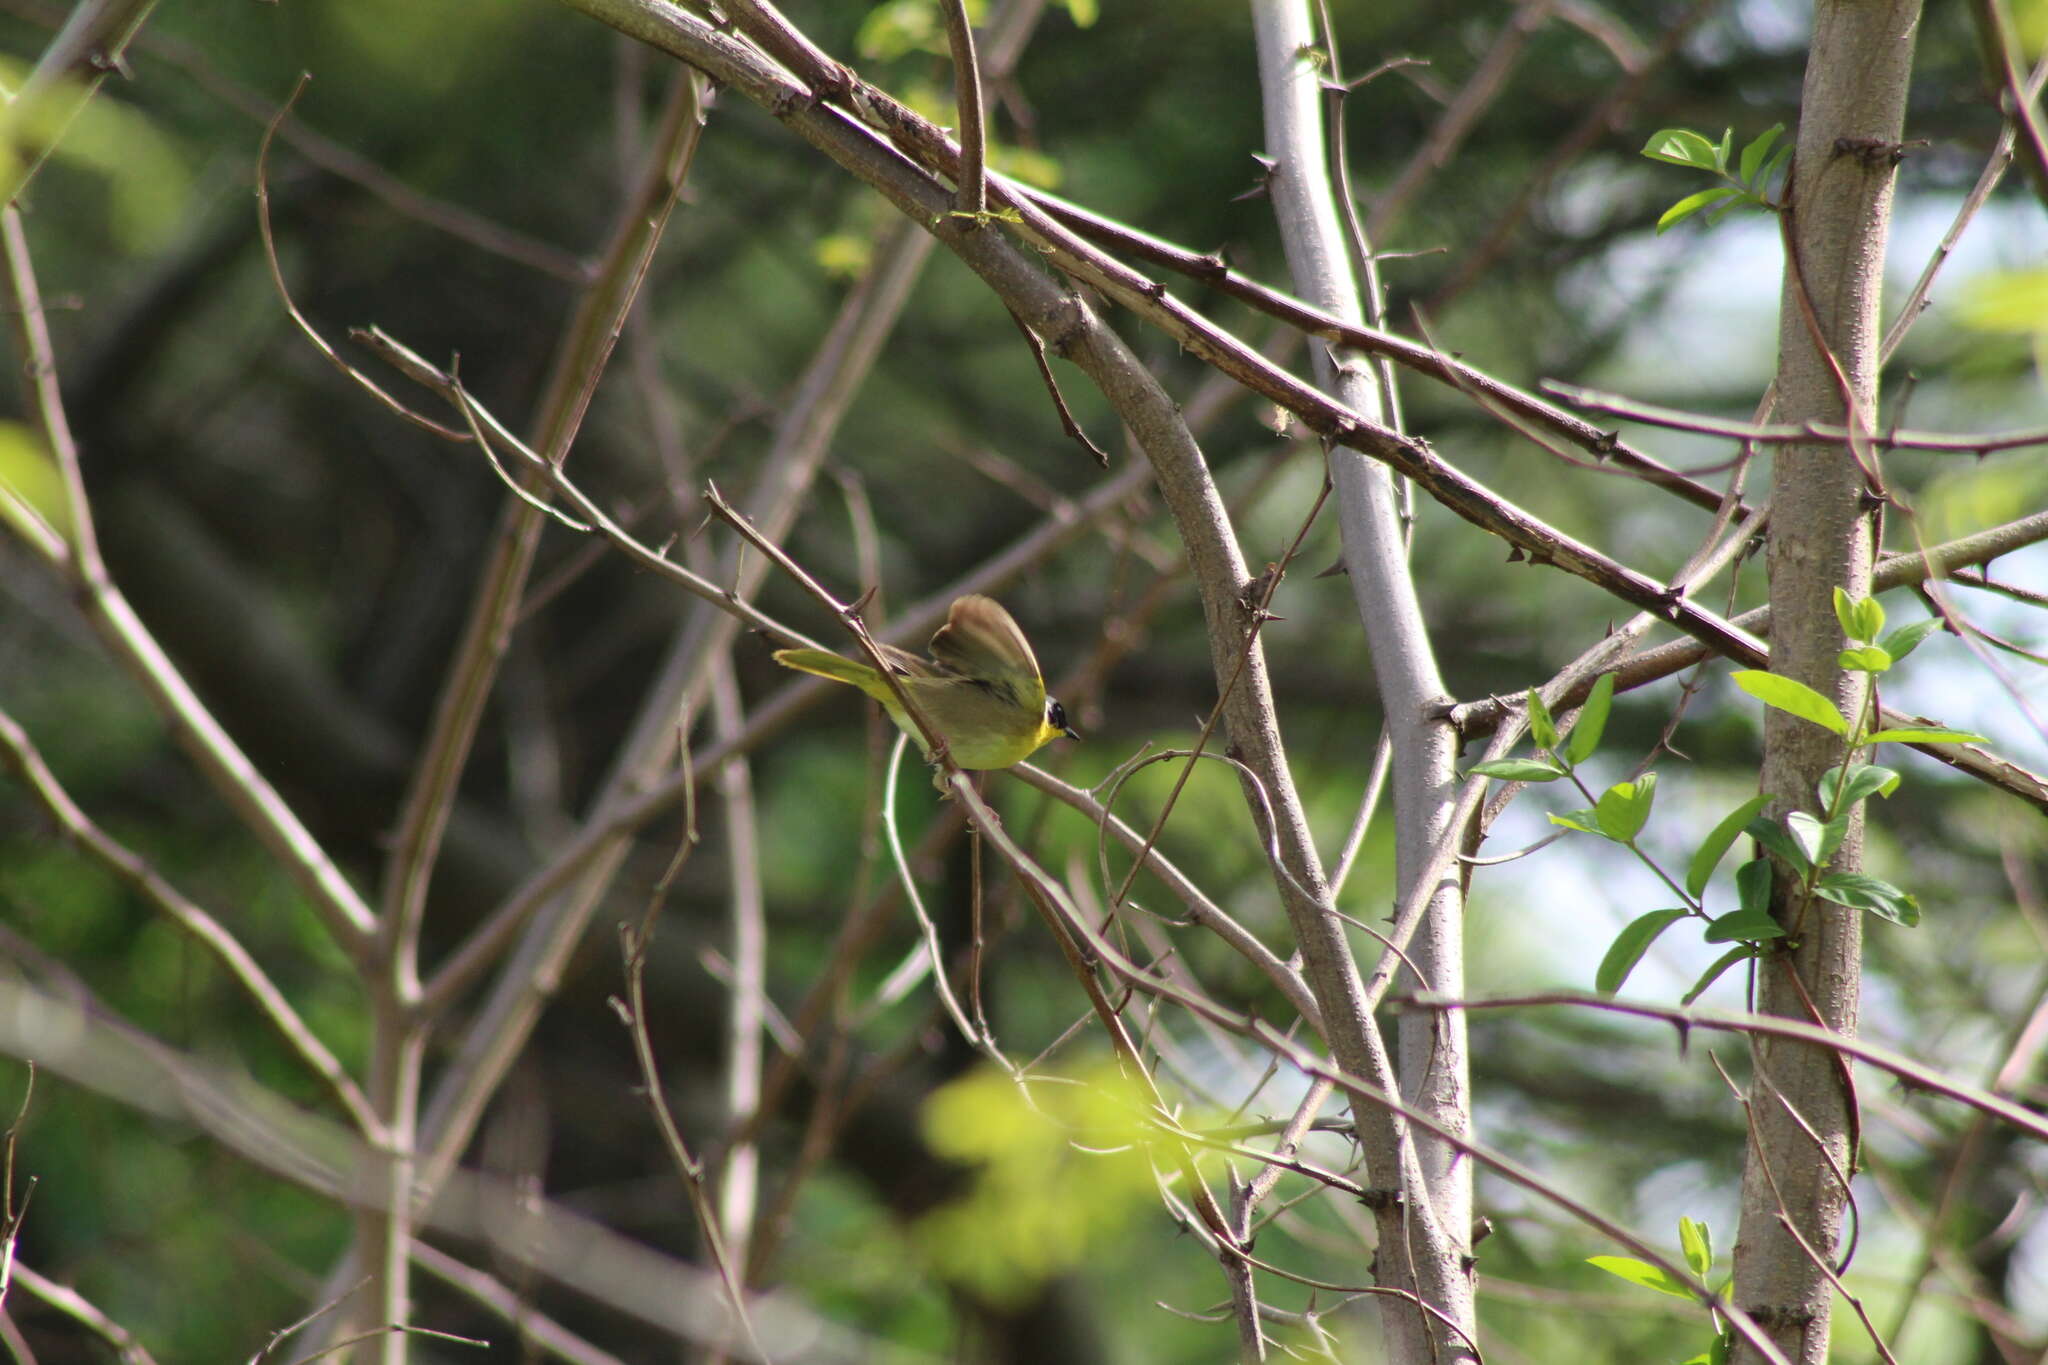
x=1822 y=535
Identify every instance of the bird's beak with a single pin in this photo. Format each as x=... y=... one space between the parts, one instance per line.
x=1071 y=733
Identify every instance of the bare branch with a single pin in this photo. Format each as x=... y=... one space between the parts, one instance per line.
x=19 y=755
x=347 y=918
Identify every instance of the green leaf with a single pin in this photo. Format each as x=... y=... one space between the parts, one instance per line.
x=1542 y=729
x=1874 y=894
x=1864 y=659
x=1775 y=840
x=1753 y=155
x=1584 y=821
x=1721 y=152
x=32 y=498
x=1778 y=160
x=1861 y=619
x=1753 y=885
x=1845 y=614
x=1519 y=769
x=1817 y=838
x=1592 y=723
x=1680 y=147
x=1792 y=697
x=1630 y=945
x=1864 y=781
x=1910 y=736
x=1739 y=953
x=1722 y=210
x=1082 y=12
x=1644 y=1274
x=1744 y=925
x=1717 y=844
x=1698 y=1242
x=1906 y=639
x=1624 y=808
x=1693 y=203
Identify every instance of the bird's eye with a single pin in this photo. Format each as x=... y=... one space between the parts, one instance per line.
x=1055 y=714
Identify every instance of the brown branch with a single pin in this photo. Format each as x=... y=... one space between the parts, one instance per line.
x=1995 y=167
x=856 y=146
x=1442 y=366
x=512 y=1306
x=1912 y=1073
x=92 y=43
x=265 y=813
x=1900 y=570
x=973 y=182
x=18 y=754
x=1789 y=433
x=581 y=355
x=82 y=1311
x=1314 y=1065
x=1052 y=387
x=299 y=319
x=2001 y=47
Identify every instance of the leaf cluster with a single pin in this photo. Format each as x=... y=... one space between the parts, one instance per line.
x=1748 y=184
x=1802 y=842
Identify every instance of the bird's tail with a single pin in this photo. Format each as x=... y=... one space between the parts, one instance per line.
x=836 y=667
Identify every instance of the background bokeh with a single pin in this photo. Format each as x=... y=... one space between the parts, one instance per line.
x=308 y=559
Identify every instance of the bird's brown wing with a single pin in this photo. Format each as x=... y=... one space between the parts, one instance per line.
x=981 y=641
x=908 y=664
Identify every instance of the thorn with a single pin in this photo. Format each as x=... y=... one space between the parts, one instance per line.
x=1268 y=167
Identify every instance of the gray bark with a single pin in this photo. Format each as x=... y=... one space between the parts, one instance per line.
x=1430 y=1053
x=1822 y=536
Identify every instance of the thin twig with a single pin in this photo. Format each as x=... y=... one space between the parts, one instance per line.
x=973 y=185
x=92 y=44
x=1789 y=433
x=1068 y=424
x=299 y=319
x=1995 y=167
x=1201 y=908
x=581 y=355
x=933 y=952
x=532 y=1325
x=747 y=1011
x=2002 y=47
x=585 y=509
x=1106 y=954
x=632 y=1011
x=1913 y=1073
x=19 y=755
x=234 y=778
x=82 y=1311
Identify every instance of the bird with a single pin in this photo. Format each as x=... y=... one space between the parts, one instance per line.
x=980 y=690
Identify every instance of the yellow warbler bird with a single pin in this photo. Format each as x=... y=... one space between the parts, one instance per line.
x=981 y=689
